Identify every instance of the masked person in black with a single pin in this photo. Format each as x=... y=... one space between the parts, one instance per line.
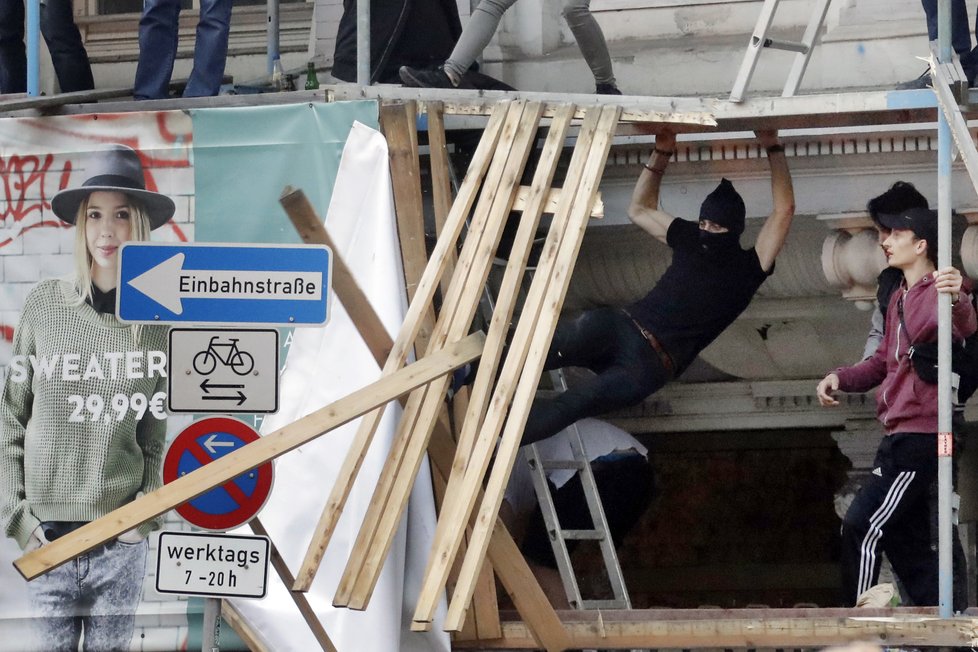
x=636 y=350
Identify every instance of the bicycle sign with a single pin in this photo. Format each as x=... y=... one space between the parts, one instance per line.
x=240 y=362
x=223 y=370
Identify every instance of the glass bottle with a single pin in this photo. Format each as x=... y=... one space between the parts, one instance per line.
x=312 y=83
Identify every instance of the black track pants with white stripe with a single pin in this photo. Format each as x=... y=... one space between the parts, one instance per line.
x=891 y=514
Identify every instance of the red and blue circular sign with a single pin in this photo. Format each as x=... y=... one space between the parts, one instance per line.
x=232 y=504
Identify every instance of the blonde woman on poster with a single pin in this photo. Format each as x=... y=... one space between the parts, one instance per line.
x=82 y=425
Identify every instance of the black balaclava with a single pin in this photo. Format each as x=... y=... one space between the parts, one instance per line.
x=725 y=207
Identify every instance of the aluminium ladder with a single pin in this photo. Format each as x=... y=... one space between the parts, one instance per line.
x=600 y=531
x=759 y=40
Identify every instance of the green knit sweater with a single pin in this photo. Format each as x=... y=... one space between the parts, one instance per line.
x=82 y=421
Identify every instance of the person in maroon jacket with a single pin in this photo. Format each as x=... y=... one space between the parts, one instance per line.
x=890 y=512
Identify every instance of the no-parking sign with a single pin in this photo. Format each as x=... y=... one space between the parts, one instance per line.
x=233 y=503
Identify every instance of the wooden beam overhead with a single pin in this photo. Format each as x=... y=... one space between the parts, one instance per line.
x=823 y=110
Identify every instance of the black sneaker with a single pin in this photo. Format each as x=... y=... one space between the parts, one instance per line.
x=431 y=78
x=606 y=89
x=915 y=84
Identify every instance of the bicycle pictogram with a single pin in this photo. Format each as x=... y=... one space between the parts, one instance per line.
x=241 y=362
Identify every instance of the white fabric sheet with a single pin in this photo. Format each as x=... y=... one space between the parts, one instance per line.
x=323 y=365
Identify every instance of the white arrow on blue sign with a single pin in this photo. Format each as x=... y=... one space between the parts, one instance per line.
x=284 y=285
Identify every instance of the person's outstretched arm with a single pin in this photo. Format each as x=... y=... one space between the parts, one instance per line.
x=644 y=210
x=775 y=229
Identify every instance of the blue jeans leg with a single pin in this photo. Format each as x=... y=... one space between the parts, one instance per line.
x=115 y=585
x=157 y=48
x=68 y=54
x=210 y=48
x=13 y=56
x=960 y=36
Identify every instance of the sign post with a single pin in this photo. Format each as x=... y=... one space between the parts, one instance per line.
x=215 y=565
x=284 y=285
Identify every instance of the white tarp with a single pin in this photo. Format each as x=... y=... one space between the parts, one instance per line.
x=323 y=365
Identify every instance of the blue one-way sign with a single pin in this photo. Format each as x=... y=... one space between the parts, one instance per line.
x=283 y=285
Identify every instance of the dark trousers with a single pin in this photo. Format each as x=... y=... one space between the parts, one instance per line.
x=892 y=513
x=626 y=368
x=960 y=27
x=62 y=37
x=158 y=31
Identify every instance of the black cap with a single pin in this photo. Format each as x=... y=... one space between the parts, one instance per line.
x=922 y=221
x=725 y=206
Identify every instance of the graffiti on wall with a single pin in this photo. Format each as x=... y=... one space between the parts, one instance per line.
x=41 y=157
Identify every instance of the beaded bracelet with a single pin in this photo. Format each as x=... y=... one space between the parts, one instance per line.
x=775 y=148
x=663 y=152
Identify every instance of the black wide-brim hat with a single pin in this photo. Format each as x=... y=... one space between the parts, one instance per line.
x=115 y=169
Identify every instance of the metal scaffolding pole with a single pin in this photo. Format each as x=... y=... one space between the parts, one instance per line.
x=363 y=42
x=273 y=34
x=944 y=406
x=33 y=47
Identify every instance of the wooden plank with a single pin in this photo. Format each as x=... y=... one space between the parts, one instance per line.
x=312 y=231
x=456 y=510
x=362 y=547
x=397 y=122
x=243 y=629
x=441 y=184
x=485 y=623
x=687 y=111
x=301 y=603
x=460 y=308
x=438 y=485
x=513 y=570
x=822 y=110
x=392 y=467
x=248 y=457
x=405 y=340
x=523 y=588
x=552 y=201
x=466 y=494
x=485 y=607
x=394 y=488
x=668 y=629
x=530 y=376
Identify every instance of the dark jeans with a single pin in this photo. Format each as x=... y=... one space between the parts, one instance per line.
x=62 y=37
x=626 y=368
x=158 y=48
x=960 y=29
x=892 y=513
x=960 y=34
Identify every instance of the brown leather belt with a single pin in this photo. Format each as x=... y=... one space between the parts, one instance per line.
x=656 y=345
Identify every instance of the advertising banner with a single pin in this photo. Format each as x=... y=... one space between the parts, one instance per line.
x=83 y=420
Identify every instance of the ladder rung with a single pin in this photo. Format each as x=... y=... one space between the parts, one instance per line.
x=792 y=46
x=562 y=464
x=583 y=535
x=603 y=604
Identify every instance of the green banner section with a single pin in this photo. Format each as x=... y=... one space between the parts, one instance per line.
x=245 y=156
